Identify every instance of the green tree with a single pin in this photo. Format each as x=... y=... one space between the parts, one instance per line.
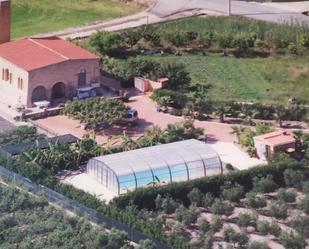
x=96 y=111
x=131 y=36
x=105 y=42
x=177 y=74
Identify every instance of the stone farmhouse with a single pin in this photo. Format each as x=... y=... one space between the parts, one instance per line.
x=41 y=69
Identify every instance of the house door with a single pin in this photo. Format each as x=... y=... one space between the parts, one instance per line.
x=268 y=151
x=82 y=78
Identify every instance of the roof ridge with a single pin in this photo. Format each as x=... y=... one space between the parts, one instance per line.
x=52 y=50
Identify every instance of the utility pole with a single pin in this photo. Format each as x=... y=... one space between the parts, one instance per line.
x=230 y=8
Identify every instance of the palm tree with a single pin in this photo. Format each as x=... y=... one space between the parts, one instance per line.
x=221 y=111
x=128 y=143
x=173 y=133
x=248 y=112
x=152 y=136
x=280 y=114
x=237 y=131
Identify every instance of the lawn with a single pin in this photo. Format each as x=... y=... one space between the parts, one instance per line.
x=259 y=79
x=38 y=16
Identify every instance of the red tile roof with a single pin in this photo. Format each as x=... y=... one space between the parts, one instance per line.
x=34 y=53
x=276 y=138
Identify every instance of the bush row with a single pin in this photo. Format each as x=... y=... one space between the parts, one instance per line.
x=145 y=197
x=258 y=36
x=186 y=104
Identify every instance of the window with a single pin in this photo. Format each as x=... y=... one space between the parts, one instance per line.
x=5 y=74
x=10 y=78
x=20 y=83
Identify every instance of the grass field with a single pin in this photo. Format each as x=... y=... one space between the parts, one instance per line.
x=260 y=79
x=38 y=16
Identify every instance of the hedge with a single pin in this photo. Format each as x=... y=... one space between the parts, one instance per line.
x=145 y=197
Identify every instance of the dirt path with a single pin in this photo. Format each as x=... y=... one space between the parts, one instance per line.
x=149 y=117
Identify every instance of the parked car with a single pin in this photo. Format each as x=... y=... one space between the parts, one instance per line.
x=130 y=118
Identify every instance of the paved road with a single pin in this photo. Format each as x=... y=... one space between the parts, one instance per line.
x=5 y=125
x=166 y=10
x=249 y=9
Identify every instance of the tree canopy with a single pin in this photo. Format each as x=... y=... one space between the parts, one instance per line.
x=96 y=111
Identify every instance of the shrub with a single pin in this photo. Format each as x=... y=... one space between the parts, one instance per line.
x=278 y=210
x=264 y=184
x=254 y=201
x=196 y=197
x=146 y=244
x=186 y=216
x=293 y=49
x=232 y=193
x=286 y=196
x=293 y=178
x=208 y=199
x=292 y=241
x=304 y=204
x=169 y=205
x=303 y=40
x=274 y=229
x=258 y=43
x=178 y=39
x=265 y=228
x=301 y=225
x=203 y=226
x=258 y=245
x=179 y=212
x=221 y=207
x=305 y=187
x=230 y=235
x=208 y=242
x=225 y=40
x=245 y=220
x=216 y=224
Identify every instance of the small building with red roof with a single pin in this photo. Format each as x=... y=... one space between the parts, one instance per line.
x=273 y=142
x=44 y=69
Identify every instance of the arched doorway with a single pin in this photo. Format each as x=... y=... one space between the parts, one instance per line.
x=58 y=91
x=38 y=94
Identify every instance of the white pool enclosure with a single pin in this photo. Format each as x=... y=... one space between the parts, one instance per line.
x=166 y=163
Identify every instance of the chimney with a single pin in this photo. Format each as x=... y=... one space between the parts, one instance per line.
x=5 y=21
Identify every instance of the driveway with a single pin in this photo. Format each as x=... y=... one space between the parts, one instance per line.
x=5 y=125
x=149 y=116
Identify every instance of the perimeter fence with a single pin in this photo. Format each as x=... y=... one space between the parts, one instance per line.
x=75 y=207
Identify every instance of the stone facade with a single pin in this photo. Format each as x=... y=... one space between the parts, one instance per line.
x=24 y=88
